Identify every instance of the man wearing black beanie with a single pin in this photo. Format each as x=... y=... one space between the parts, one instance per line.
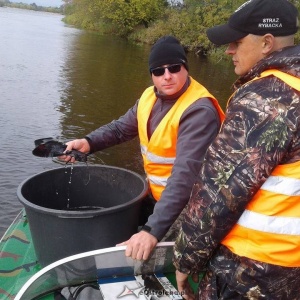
x=176 y=120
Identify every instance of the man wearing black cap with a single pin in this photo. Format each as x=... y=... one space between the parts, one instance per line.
x=242 y=223
x=176 y=120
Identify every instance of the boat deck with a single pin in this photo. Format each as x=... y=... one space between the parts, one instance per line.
x=18 y=261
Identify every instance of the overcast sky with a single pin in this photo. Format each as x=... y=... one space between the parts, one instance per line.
x=54 y=3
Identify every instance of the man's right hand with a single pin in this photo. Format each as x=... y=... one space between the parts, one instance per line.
x=81 y=145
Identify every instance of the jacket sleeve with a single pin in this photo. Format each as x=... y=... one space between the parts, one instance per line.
x=116 y=132
x=254 y=138
x=198 y=127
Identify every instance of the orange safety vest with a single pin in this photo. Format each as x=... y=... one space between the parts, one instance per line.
x=269 y=228
x=159 y=152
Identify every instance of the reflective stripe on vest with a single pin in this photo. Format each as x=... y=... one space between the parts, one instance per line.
x=159 y=152
x=271 y=224
x=282 y=185
x=157 y=159
x=269 y=228
x=155 y=180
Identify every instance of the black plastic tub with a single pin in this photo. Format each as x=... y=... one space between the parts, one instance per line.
x=76 y=209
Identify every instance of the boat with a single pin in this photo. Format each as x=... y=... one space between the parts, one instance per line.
x=23 y=277
x=18 y=261
x=51 y=249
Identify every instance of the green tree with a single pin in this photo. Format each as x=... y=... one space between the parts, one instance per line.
x=148 y=20
x=121 y=15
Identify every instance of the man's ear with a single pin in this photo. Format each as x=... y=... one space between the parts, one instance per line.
x=268 y=43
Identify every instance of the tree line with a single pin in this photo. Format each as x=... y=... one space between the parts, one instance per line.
x=31 y=6
x=144 y=21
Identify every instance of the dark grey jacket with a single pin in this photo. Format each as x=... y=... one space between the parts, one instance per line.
x=198 y=127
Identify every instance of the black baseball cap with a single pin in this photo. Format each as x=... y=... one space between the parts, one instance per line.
x=258 y=17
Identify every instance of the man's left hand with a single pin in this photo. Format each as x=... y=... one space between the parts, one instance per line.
x=140 y=245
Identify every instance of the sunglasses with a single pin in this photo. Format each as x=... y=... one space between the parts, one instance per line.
x=161 y=70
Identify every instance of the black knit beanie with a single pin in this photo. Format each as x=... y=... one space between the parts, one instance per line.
x=167 y=50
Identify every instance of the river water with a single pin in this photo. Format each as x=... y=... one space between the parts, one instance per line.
x=62 y=82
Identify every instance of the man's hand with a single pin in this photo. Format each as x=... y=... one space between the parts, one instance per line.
x=183 y=285
x=140 y=245
x=81 y=145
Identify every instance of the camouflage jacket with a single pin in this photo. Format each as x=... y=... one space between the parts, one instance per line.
x=260 y=131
